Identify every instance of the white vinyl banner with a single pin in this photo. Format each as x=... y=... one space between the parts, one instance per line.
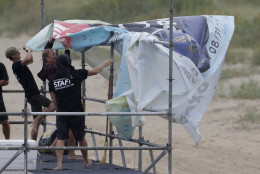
x=193 y=91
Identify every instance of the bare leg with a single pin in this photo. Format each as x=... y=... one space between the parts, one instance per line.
x=54 y=142
x=59 y=154
x=37 y=121
x=71 y=153
x=6 y=129
x=50 y=108
x=87 y=162
x=35 y=126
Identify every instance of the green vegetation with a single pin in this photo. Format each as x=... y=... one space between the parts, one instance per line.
x=247 y=90
x=251 y=116
x=238 y=72
x=235 y=56
x=256 y=58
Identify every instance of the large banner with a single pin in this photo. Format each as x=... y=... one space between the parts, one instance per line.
x=199 y=47
x=190 y=35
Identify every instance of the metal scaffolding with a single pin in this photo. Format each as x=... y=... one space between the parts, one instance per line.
x=142 y=144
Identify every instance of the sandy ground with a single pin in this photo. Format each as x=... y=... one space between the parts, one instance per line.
x=226 y=146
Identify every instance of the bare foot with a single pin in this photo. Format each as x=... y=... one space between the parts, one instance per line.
x=86 y=165
x=74 y=157
x=57 y=168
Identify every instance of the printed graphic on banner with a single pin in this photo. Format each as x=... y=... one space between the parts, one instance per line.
x=200 y=45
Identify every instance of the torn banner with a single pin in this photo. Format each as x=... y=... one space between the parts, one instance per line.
x=142 y=76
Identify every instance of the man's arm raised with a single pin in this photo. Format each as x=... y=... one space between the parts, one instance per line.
x=99 y=68
x=28 y=58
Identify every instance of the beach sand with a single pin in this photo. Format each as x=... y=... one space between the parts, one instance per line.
x=226 y=146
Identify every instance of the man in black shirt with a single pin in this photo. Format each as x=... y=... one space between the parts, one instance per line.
x=65 y=91
x=48 y=70
x=4 y=80
x=32 y=93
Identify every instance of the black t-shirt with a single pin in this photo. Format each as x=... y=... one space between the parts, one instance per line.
x=25 y=78
x=3 y=76
x=49 y=70
x=68 y=90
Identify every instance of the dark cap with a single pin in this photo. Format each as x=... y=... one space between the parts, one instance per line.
x=63 y=63
x=64 y=60
x=10 y=51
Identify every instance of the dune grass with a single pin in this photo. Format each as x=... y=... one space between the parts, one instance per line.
x=252 y=116
x=255 y=60
x=238 y=72
x=246 y=90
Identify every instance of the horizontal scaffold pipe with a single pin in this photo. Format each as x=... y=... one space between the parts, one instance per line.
x=19 y=122
x=13 y=91
x=131 y=140
x=12 y=113
x=99 y=113
x=94 y=99
x=22 y=91
x=83 y=148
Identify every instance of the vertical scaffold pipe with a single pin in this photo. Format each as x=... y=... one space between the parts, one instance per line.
x=25 y=115
x=44 y=82
x=43 y=13
x=83 y=85
x=140 y=151
x=110 y=97
x=170 y=90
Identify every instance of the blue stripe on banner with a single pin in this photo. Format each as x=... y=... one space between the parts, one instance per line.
x=93 y=37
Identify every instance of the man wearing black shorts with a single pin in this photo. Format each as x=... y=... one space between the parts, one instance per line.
x=4 y=80
x=32 y=93
x=48 y=70
x=65 y=91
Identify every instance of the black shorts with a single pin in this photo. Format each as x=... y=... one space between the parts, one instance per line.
x=3 y=117
x=37 y=102
x=75 y=123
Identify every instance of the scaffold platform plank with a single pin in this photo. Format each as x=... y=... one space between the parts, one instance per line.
x=46 y=163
